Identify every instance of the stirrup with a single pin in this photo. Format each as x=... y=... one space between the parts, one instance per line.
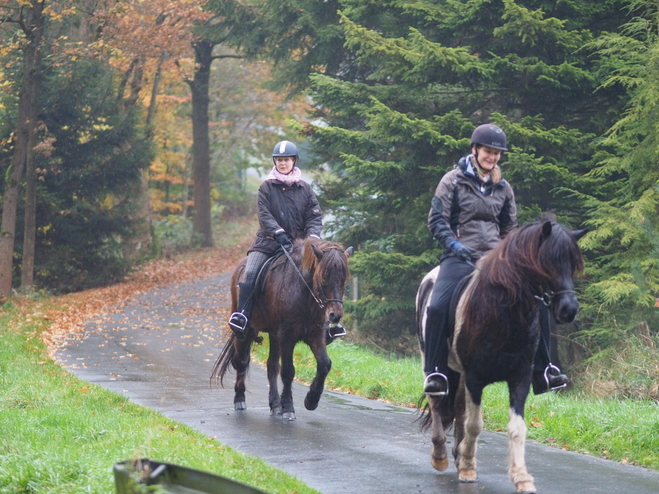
x=553 y=371
x=550 y=379
x=238 y=323
x=435 y=384
x=336 y=331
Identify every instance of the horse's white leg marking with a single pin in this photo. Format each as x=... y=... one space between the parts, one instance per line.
x=516 y=445
x=473 y=427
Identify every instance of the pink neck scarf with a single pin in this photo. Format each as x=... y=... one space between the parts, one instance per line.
x=293 y=177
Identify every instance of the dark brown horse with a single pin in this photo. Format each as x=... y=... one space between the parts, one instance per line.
x=299 y=303
x=495 y=338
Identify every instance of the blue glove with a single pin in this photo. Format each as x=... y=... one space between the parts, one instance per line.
x=461 y=251
x=283 y=240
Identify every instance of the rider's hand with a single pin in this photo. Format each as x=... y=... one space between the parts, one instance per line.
x=283 y=239
x=461 y=251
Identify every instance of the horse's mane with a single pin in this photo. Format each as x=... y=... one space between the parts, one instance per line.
x=519 y=268
x=332 y=264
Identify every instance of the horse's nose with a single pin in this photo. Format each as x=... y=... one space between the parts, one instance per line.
x=334 y=315
x=568 y=309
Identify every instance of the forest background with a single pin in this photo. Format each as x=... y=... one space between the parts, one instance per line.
x=127 y=129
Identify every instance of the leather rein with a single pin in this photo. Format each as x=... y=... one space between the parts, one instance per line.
x=318 y=301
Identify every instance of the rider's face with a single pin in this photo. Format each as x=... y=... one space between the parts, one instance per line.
x=487 y=157
x=284 y=164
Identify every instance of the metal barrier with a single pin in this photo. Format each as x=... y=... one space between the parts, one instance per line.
x=148 y=476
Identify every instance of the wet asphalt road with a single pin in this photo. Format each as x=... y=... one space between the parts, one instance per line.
x=158 y=351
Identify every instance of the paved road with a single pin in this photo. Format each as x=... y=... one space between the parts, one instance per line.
x=158 y=351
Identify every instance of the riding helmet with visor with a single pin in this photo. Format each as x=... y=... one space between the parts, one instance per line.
x=285 y=149
x=489 y=135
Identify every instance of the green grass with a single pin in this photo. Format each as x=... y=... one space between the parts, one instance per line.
x=62 y=435
x=622 y=430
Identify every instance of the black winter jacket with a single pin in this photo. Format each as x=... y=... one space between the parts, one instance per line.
x=293 y=208
x=475 y=213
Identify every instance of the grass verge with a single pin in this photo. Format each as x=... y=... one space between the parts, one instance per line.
x=626 y=431
x=62 y=435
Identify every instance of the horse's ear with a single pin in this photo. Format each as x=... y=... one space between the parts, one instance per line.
x=577 y=234
x=546 y=229
x=349 y=251
x=317 y=251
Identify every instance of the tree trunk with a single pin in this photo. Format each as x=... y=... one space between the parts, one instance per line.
x=142 y=240
x=28 y=112
x=201 y=225
x=30 y=222
x=186 y=187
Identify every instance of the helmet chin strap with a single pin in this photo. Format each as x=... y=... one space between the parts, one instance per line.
x=480 y=170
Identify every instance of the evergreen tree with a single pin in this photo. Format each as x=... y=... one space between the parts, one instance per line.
x=93 y=154
x=623 y=245
x=422 y=75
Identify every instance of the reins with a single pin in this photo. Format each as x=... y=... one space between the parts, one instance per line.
x=546 y=299
x=320 y=304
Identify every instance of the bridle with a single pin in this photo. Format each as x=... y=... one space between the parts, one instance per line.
x=316 y=298
x=327 y=300
x=547 y=297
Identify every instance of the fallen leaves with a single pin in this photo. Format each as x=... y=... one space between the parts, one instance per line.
x=67 y=314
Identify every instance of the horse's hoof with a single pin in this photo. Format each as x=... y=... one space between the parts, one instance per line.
x=525 y=487
x=440 y=465
x=310 y=405
x=240 y=405
x=467 y=476
x=288 y=416
x=275 y=411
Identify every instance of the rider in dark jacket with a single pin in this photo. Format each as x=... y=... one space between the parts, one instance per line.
x=287 y=209
x=472 y=210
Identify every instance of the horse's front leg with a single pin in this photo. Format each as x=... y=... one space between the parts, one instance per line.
x=273 y=374
x=323 y=366
x=472 y=427
x=439 y=457
x=240 y=363
x=287 y=375
x=522 y=479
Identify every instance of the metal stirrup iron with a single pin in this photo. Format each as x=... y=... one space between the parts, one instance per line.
x=335 y=330
x=434 y=377
x=555 y=371
x=238 y=322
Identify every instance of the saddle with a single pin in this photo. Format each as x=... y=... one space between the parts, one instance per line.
x=259 y=283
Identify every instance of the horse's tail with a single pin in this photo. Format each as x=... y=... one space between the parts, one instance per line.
x=425 y=418
x=444 y=405
x=224 y=360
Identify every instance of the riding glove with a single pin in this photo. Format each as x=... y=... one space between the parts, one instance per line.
x=283 y=239
x=461 y=251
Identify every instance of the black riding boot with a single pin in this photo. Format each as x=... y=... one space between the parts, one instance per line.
x=436 y=354
x=239 y=320
x=546 y=376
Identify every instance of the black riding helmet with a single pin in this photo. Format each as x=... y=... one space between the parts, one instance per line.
x=283 y=149
x=489 y=135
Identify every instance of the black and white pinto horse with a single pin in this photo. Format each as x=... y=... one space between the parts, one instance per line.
x=496 y=334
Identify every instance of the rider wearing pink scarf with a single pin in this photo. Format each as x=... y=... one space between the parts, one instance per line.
x=288 y=209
